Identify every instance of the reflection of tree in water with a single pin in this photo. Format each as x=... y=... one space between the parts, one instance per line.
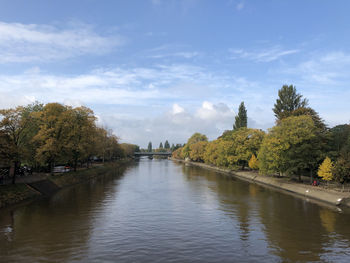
x=54 y=228
x=328 y=219
x=296 y=230
x=292 y=227
x=233 y=195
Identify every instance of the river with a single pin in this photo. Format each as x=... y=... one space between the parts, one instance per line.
x=162 y=211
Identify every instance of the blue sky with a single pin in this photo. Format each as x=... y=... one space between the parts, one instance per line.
x=154 y=70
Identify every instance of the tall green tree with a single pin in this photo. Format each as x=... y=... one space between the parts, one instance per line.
x=149 y=147
x=166 y=145
x=241 y=120
x=291 y=148
x=161 y=145
x=288 y=101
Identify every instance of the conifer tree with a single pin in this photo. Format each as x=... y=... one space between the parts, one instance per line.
x=149 y=148
x=241 y=119
x=289 y=100
x=166 y=145
x=161 y=145
x=325 y=170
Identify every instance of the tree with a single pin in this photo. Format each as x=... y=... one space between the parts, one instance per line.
x=341 y=169
x=339 y=141
x=149 y=147
x=51 y=136
x=197 y=151
x=244 y=143
x=241 y=119
x=254 y=163
x=31 y=113
x=197 y=137
x=290 y=147
x=161 y=145
x=325 y=170
x=289 y=100
x=177 y=153
x=129 y=149
x=13 y=136
x=216 y=153
x=166 y=145
x=79 y=130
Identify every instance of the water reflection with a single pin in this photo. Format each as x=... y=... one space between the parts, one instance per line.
x=161 y=211
x=296 y=230
x=57 y=227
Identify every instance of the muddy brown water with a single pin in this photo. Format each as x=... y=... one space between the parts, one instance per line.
x=162 y=211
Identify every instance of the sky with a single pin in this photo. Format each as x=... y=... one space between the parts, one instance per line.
x=156 y=70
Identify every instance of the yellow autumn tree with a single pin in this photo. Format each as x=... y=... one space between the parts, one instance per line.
x=325 y=170
x=253 y=163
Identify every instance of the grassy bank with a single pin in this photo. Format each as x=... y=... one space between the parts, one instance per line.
x=13 y=194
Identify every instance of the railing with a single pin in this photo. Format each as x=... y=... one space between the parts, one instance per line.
x=152 y=153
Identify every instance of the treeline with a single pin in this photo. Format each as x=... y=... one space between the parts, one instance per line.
x=161 y=148
x=300 y=144
x=42 y=136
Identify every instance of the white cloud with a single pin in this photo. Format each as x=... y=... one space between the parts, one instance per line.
x=176 y=125
x=177 y=109
x=211 y=112
x=33 y=42
x=264 y=55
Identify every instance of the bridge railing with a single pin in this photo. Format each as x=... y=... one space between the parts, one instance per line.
x=152 y=153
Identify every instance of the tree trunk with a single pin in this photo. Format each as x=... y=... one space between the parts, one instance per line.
x=75 y=164
x=311 y=176
x=12 y=172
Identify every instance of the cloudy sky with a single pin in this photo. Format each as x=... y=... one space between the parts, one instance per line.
x=163 y=69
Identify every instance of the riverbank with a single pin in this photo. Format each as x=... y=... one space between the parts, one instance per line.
x=13 y=194
x=305 y=191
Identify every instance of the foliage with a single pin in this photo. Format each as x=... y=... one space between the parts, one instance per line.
x=13 y=128
x=185 y=152
x=241 y=119
x=166 y=145
x=289 y=100
x=339 y=141
x=287 y=146
x=254 y=163
x=129 y=149
x=161 y=145
x=341 y=169
x=197 y=137
x=325 y=170
x=177 y=154
x=244 y=143
x=197 y=151
x=216 y=153
x=319 y=123
x=40 y=135
x=149 y=147
x=175 y=147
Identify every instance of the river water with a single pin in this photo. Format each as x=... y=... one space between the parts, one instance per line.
x=162 y=211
